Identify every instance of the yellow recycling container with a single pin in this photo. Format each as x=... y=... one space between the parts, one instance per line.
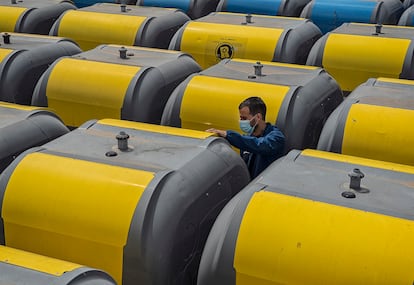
x=375 y=121
x=23 y=127
x=24 y=58
x=316 y=217
x=31 y=16
x=223 y=35
x=298 y=98
x=106 y=23
x=133 y=199
x=353 y=53
x=113 y=81
x=19 y=267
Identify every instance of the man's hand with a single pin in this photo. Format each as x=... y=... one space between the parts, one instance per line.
x=220 y=133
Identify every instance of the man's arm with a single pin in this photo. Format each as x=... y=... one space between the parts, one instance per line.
x=269 y=144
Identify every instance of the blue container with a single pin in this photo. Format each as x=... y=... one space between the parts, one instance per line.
x=85 y=3
x=179 y=4
x=328 y=14
x=263 y=7
x=193 y=8
x=407 y=18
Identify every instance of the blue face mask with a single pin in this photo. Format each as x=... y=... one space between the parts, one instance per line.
x=246 y=127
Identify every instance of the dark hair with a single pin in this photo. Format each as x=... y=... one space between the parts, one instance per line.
x=255 y=105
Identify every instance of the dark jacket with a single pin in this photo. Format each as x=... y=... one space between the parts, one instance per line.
x=259 y=152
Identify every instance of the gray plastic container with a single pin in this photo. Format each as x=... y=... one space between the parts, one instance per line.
x=407 y=18
x=101 y=84
x=375 y=121
x=106 y=23
x=31 y=16
x=156 y=193
x=301 y=215
x=229 y=35
x=299 y=98
x=18 y=267
x=408 y=3
x=24 y=58
x=23 y=127
x=354 y=52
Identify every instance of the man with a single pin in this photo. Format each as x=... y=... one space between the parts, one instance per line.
x=262 y=144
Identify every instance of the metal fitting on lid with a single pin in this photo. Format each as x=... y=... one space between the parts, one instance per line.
x=356 y=175
x=122 y=138
x=258 y=69
x=6 y=38
x=123 y=53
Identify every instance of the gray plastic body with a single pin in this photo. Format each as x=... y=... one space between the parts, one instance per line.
x=23 y=129
x=373 y=93
x=156 y=31
x=39 y=16
x=313 y=95
x=321 y=181
x=293 y=45
x=31 y=56
x=148 y=91
x=17 y=275
x=193 y=179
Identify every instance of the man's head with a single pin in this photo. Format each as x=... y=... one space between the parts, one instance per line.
x=252 y=106
x=252 y=116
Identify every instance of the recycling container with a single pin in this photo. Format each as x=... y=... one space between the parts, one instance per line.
x=328 y=15
x=407 y=18
x=375 y=121
x=23 y=127
x=229 y=35
x=300 y=222
x=298 y=98
x=24 y=58
x=31 y=16
x=135 y=200
x=85 y=3
x=19 y=267
x=408 y=3
x=112 y=81
x=106 y=23
x=290 y=8
x=353 y=53
x=194 y=8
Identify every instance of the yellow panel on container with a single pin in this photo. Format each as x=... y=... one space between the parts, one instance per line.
x=77 y=210
x=379 y=132
x=397 y=81
x=81 y=90
x=289 y=240
x=209 y=43
x=4 y=53
x=358 y=160
x=35 y=262
x=156 y=129
x=19 y=107
x=353 y=59
x=90 y=29
x=9 y=17
x=224 y=97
